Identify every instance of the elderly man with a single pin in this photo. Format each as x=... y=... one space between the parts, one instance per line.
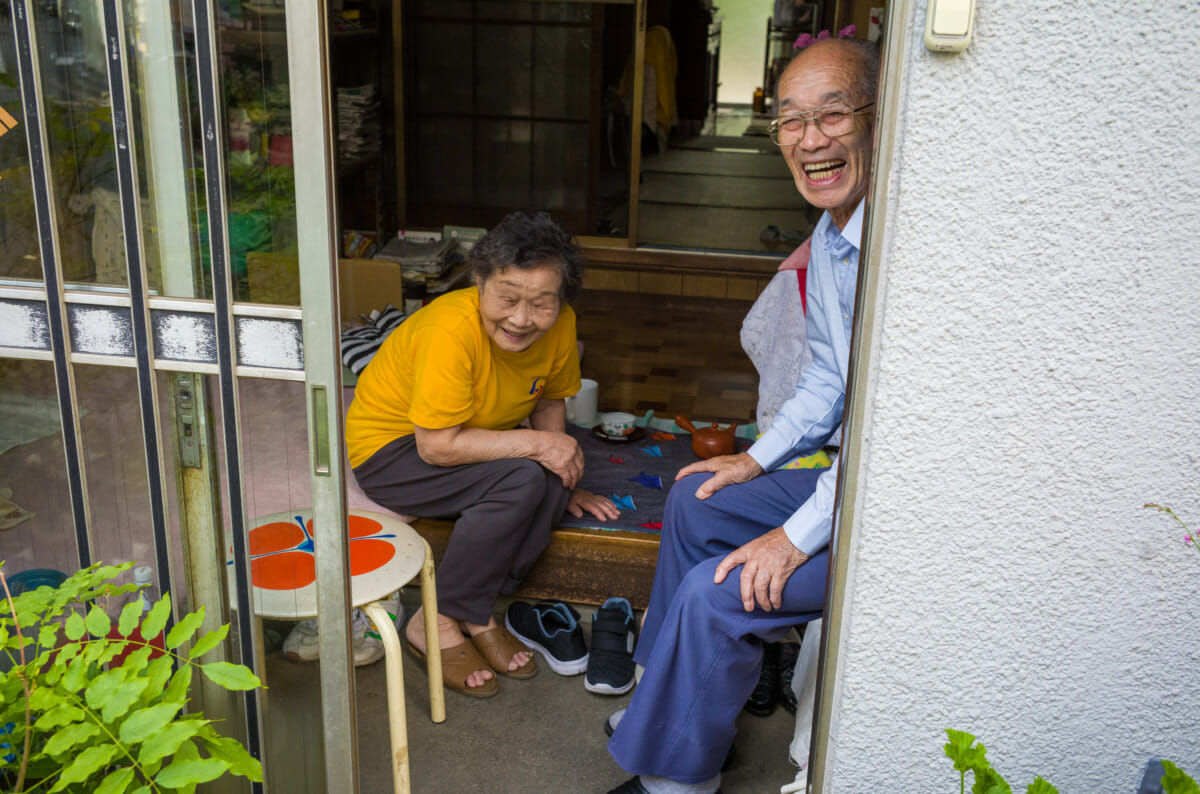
x=745 y=544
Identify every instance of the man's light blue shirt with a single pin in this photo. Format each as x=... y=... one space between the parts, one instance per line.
x=807 y=421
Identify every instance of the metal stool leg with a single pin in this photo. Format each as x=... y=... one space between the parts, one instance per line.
x=401 y=775
x=433 y=654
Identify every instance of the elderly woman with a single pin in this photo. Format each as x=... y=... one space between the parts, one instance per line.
x=434 y=430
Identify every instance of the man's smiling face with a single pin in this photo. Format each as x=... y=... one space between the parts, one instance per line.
x=831 y=173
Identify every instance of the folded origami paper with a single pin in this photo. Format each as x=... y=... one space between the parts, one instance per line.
x=648 y=480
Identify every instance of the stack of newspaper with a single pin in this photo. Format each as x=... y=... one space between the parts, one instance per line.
x=358 y=122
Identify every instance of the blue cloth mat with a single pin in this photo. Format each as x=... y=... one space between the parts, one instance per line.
x=602 y=475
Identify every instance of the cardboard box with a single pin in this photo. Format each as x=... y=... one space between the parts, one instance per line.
x=365 y=285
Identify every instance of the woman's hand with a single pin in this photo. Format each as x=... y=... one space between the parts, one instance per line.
x=560 y=453
x=599 y=506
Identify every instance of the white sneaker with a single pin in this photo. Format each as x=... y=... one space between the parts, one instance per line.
x=368 y=647
x=303 y=643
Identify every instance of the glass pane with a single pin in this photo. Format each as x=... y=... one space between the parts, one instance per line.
x=78 y=125
x=514 y=73
x=503 y=73
x=19 y=256
x=115 y=467
x=161 y=69
x=276 y=475
x=262 y=184
x=35 y=501
x=502 y=154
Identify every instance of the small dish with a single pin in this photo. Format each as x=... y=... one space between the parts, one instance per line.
x=637 y=435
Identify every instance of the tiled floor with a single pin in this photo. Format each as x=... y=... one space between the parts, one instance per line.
x=672 y=354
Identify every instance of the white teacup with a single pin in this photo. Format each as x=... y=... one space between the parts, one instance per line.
x=617 y=423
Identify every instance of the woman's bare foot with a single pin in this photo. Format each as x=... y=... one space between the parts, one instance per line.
x=449 y=636
x=519 y=660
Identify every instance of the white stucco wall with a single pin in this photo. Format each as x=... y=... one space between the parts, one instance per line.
x=1036 y=379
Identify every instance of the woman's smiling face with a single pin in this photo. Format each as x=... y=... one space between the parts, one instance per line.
x=518 y=306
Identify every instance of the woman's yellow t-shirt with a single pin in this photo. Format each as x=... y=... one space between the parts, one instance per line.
x=440 y=369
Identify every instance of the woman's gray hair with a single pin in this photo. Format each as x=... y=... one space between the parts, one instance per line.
x=528 y=240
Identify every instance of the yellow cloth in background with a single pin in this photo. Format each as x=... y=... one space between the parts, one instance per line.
x=440 y=369
x=661 y=66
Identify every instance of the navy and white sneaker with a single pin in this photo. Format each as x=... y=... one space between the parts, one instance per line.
x=552 y=629
x=614 y=633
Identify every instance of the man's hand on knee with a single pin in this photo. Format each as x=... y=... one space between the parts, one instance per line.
x=767 y=563
x=727 y=470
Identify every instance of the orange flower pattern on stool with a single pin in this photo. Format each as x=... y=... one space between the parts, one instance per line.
x=281 y=552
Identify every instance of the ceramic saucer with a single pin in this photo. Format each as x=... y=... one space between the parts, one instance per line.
x=638 y=434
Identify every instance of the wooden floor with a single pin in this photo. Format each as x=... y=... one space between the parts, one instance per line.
x=672 y=354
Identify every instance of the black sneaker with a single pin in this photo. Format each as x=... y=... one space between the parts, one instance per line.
x=552 y=629
x=614 y=633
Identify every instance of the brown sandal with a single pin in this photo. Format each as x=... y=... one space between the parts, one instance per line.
x=458 y=663
x=499 y=647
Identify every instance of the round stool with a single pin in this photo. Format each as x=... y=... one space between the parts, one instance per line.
x=385 y=553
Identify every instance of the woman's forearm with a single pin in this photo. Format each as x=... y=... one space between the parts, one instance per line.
x=549 y=415
x=457 y=446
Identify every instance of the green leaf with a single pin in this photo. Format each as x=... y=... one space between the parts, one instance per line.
x=182 y=631
x=137 y=659
x=988 y=780
x=184 y=772
x=1040 y=786
x=86 y=764
x=962 y=750
x=230 y=676
x=233 y=753
x=48 y=635
x=123 y=699
x=177 y=690
x=68 y=651
x=156 y=618
x=166 y=741
x=103 y=686
x=131 y=615
x=44 y=699
x=71 y=736
x=209 y=641
x=98 y=622
x=158 y=672
x=144 y=723
x=1176 y=781
x=75 y=677
x=116 y=782
x=75 y=627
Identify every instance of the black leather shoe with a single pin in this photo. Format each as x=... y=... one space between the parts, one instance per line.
x=766 y=693
x=788 y=651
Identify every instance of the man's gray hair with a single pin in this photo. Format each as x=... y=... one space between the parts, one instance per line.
x=868 y=79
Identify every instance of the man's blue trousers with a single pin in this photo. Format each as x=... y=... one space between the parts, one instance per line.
x=702 y=651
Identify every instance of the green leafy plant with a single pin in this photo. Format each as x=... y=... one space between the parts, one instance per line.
x=969 y=755
x=89 y=709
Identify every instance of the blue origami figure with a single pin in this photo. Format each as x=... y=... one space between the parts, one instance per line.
x=623 y=502
x=648 y=480
x=655 y=451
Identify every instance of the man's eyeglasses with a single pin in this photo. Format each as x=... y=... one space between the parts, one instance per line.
x=833 y=121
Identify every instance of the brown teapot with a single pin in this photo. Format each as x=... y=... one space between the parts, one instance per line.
x=708 y=442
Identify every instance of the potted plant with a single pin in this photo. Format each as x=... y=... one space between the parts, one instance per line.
x=89 y=706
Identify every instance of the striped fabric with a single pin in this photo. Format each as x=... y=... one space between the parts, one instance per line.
x=359 y=344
